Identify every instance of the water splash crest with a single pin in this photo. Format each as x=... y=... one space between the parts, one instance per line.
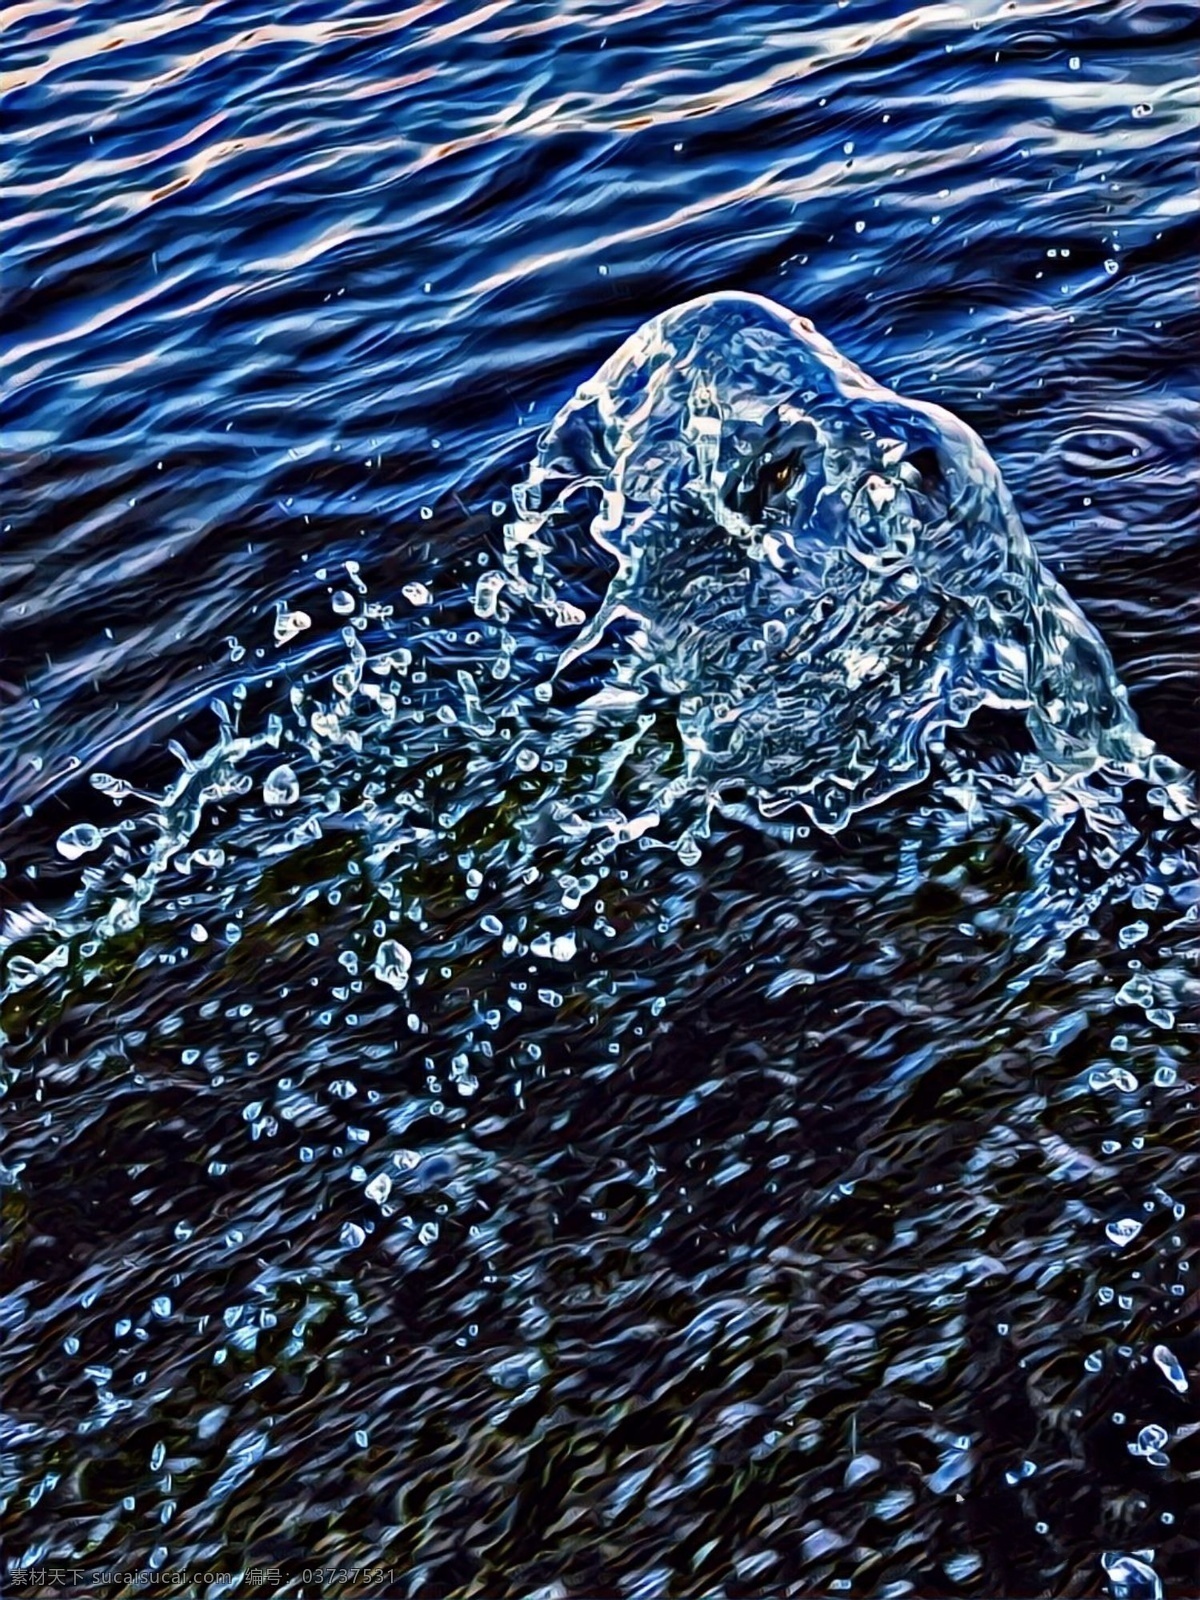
x=824 y=574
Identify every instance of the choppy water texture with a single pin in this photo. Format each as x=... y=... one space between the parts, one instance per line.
x=601 y=911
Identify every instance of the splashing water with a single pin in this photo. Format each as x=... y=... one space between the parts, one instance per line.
x=826 y=575
x=612 y=876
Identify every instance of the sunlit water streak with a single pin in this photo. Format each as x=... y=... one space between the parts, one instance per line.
x=461 y=1114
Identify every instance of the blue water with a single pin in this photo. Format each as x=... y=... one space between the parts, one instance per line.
x=435 y=1138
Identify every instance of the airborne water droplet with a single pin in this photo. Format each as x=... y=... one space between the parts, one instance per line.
x=1116 y=1077
x=282 y=787
x=1130 y=1578
x=1169 y=1365
x=393 y=964
x=1152 y=1437
x=79 y=840
x=289 y=623
x=1124 y=1231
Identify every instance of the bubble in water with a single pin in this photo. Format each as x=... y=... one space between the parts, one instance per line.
x=79 y=841
x=282 y=787
x=342 y=602
x=352 y=1236
x=393 y=964
x=416 y=594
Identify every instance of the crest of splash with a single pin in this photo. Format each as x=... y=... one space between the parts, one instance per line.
x=822 y=574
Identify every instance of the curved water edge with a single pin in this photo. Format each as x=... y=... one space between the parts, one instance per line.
x=749 y=804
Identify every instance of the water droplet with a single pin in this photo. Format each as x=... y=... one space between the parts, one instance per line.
x=1131 y=1578
x=79 y=840
x=393 y=963
x=1152 y=1437
x=416 y=594
x=1169 y=1365
x=1119 y=1078
x=352 y=1236
x=282 y=787
x=518 y=1371
x=289 y=623
x=1124 y=1231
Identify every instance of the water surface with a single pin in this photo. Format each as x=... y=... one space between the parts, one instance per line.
x=422 y=1155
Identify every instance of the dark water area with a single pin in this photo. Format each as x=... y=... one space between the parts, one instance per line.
x=436 y=1136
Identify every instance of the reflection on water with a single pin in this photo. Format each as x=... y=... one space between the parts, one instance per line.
x=599 y=983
